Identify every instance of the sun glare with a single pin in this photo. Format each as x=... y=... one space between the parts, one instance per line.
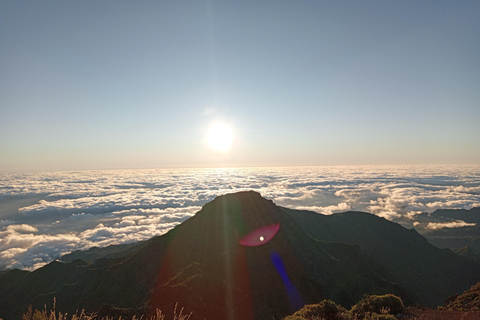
x=220 y=136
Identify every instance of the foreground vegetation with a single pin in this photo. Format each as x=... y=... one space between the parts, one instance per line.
x=370 y=307
x=44 y=315
x=467 y=301
x=53 y=315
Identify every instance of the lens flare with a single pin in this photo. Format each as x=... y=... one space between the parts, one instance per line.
x=294 y=298
x=260 y=236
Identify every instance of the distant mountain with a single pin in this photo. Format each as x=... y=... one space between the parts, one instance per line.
x=9 y=278
x=19 y=288
x=109 y=252
x=471 y=216
x=452 y=238
x=456 y=238
x=430 y=274
x=468 y=253
x=243 y=257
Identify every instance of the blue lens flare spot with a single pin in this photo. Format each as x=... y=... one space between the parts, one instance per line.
x=294 y=298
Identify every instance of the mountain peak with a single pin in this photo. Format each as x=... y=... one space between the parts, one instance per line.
x=242 y=194
x=257 y=262
x=243 y=197
x=248 y=210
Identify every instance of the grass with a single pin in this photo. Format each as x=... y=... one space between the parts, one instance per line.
x=31 y=314
x=371 y=307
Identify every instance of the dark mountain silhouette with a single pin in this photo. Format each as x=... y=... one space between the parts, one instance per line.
x=471 y=215
x=456 y=238
x=9 y=278
x=202 y=266
x=468 y=253
x=19 y=288
x=95 y=253
x=430 y=274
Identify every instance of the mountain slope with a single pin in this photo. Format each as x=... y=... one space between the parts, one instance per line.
x=468 y=300
x=459 y=237
x=241 y=276
x=16 y=296
x=227 y=263
x=201 y=265
x=430 y=273
x=471 y=216
x=109 y=252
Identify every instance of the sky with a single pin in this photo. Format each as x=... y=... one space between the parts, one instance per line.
x=45 y=215
x=124 y=84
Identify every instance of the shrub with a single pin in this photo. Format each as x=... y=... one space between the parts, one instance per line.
x=326 y=309
x=294 y=318
x=376 y=316
x=381 y=305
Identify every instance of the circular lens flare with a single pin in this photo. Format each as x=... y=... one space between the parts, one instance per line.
x=260 y=236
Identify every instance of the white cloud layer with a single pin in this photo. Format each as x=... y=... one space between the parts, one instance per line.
x=453 y=224
x=43 y=216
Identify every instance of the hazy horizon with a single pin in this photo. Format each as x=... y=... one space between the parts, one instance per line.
x=37 y=170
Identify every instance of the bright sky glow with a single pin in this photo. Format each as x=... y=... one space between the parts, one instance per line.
x=220 y=137
x=113 y=85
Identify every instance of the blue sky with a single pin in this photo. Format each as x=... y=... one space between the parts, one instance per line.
x=122 y=84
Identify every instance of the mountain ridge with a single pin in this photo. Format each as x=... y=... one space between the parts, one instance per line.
x=200 y=265
x=397 y=248
x=451 y=238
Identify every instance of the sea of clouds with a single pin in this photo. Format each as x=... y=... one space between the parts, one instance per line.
x=45 y=215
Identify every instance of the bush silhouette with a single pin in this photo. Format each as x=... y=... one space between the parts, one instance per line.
x=326 y=309
x=380 y=305
x=294 y=318
x=375 y=316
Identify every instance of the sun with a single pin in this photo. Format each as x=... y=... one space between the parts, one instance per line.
x=220 y=136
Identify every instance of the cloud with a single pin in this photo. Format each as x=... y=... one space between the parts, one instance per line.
x=19 y=249
x=24 y=246
x=473 y=190
x=125 y=223
x=341 y=207
x=6 y=222
x=453 y=224
x=78 y=210
x=81 y=216
x=21 y=228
